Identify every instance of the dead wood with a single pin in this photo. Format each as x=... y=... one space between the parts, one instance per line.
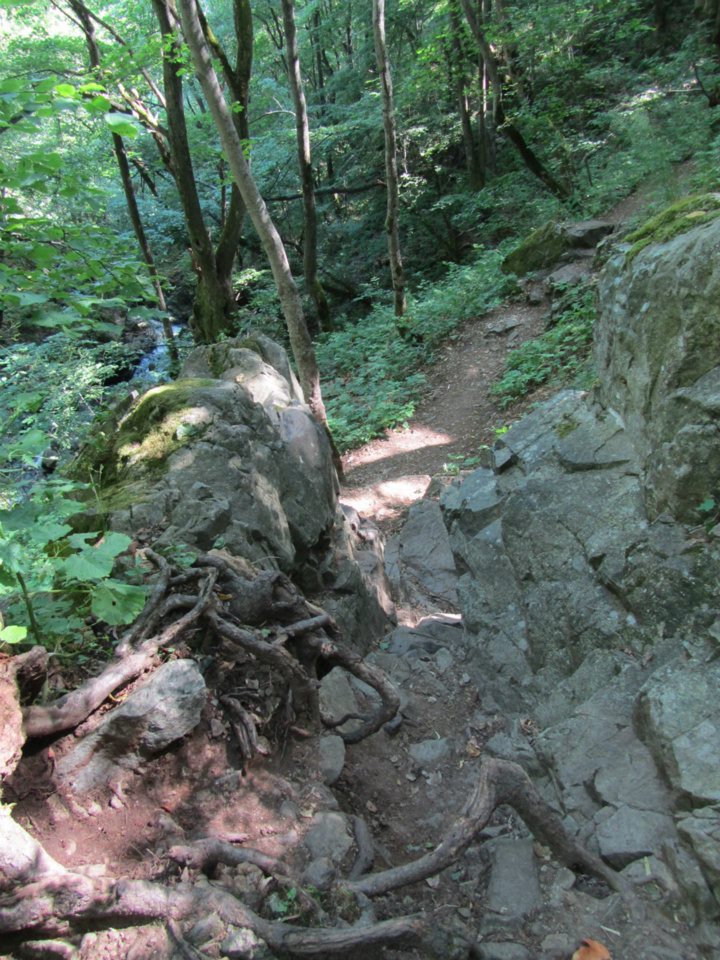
x=70 y=710
x=60 y=905
x=499 y=782
x=30 y=670
x=366 y=849
x=12 y=737
x=207 y=853
x=150 y=615
x=244 y=729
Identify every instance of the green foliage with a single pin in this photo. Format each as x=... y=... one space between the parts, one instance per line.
x=372 y=370
x=559 y=356
x=49 y=393
x=52 y=579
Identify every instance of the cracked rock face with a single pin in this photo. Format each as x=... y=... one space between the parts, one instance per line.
x=657 y=345
x=576 y=604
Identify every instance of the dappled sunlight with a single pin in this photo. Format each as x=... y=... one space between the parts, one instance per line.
x=387 y=499
x=414 y=438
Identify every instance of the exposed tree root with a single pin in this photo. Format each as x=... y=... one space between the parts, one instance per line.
x=206 y=854
x=499 y=782
x=72 y=709
x=39 y=898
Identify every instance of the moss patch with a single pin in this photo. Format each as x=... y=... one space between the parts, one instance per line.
x=165 y=419
x=542 y=248
x=674 y=220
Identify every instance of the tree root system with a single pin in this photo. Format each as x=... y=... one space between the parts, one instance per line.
x=247 y=620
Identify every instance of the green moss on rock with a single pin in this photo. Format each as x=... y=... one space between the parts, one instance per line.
x=164 y=420
x=541 y=249
x=673 y=220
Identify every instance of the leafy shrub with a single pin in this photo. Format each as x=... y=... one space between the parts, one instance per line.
x=52 y=580
x=559 y=356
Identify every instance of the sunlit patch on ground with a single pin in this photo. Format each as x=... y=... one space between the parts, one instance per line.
x=388 y=499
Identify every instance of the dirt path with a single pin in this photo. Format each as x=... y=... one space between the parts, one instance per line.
x=457 y=416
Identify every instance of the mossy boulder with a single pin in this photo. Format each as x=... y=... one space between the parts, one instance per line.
x=549 y=244
x=686 y=214
x=161 y=422
x=539 y=251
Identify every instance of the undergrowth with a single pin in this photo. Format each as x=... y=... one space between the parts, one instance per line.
x=372 y=371
x=560 y=356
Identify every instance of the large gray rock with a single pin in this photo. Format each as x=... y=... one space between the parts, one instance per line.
x=679 y=718
x=423 y=552
x=514 y=888
x=230 y=457
x=573 y=601
x=167 y=707
x=329 y=835
x=657 y=347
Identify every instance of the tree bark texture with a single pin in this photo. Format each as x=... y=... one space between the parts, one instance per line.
x=473 y=155
x=392 y=223
x=507 y=127
x=88 y=27
x=300 y=341
x=302 y=127
x=214 y=294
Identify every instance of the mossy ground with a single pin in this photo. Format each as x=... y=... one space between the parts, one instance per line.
x=673 y=220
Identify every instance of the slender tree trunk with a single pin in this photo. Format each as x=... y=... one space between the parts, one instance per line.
x=513 y=134
x=314 y=287
x=473 y=156
x=300 y=341
x=213 y=297
x=392 y=225
x=88 y=28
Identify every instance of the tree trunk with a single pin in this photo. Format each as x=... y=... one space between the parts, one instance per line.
x=392 y=225
x=302 y=127
x=213 y=298
x=513 y=134
x=300 y=341
x=473 y=156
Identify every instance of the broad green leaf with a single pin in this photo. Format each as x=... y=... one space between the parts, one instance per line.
x=31 y=444
x=113 y=544
x=88 y=565
x=28 y=299
x=65 y=90
x=120 y=124
x=13 y=634
x=11 y=558
x=117 y=603
x=98 y=104
x=45 y=86
x=12 y=85
x=44 y=533
x=80 y=540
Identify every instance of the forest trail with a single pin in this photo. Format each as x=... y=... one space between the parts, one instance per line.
x=457 y=415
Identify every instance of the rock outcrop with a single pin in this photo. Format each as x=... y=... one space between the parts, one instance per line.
x=229 y=457
x=589 y=605
x=657 y=349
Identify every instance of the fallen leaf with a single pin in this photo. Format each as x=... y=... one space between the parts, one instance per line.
x=591 y=950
